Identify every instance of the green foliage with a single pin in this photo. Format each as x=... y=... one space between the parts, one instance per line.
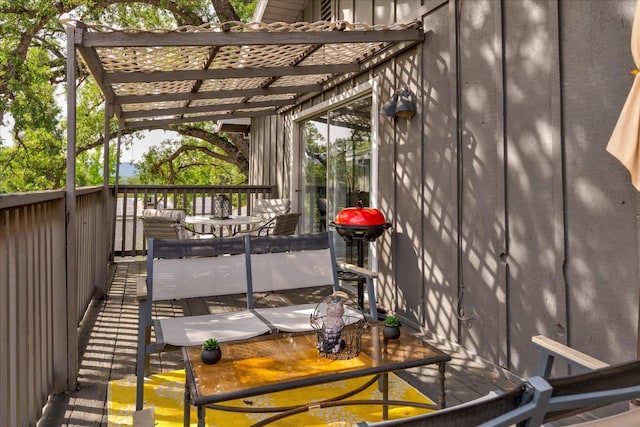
x=210 y=344
x=161 y=166
x=32 y=86
x=316 y=153
x=391 y=321
x=244 y=9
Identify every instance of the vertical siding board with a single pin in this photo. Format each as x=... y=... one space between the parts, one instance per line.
x=257 y=151
x=363 y=11
x=272 y=156
x=344 y=10
x=287 y=148
x=264 y=150
x=260 y=151
x=530 y=174
x=439 y=249
x=405 y=10
x=408 y=228
x=386 y=169
x=602 y=222
x=384 y=12
x=501 y=251
x=480 y=300
x=559 y=331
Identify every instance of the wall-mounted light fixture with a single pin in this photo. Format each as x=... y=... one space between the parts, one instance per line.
x=400 y=105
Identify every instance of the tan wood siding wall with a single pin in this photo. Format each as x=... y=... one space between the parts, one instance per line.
x=271 y=151
x=509 y=217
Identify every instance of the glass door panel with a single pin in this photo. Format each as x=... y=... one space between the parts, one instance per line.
x=336 y=168
x=349 y=165
x=314 y=175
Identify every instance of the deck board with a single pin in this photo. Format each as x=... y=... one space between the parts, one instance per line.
x=108 y=343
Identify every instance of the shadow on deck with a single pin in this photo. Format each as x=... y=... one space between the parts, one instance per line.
x=108 y=343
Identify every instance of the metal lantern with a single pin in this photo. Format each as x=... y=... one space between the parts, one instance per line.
x=221 y=207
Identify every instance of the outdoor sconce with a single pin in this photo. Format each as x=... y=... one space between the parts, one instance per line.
x=400 y=105
x=221 y=207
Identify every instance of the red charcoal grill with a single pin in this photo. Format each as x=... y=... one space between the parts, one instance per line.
x=359 y=224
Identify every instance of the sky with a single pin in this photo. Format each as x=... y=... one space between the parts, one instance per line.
x=141 y=146
x=131 y=154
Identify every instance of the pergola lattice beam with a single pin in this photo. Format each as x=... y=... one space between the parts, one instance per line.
x=206 y=108
x=228 y=73
x=161 y=123
x=239 y=93
x=232 y=38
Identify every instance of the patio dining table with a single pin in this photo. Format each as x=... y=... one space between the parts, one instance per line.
x=232 y=224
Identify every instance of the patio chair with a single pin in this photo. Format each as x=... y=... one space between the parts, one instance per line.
x=268 y=208
x=598 y=385
x=518 y=406
x=580 y=393
x=542 y=400
x=167 y=224
x=280 y=225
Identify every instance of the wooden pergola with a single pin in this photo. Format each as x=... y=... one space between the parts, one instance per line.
x=212 y=72
x=152 y=79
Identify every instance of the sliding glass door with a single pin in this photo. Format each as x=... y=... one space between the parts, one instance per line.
x=336 y=171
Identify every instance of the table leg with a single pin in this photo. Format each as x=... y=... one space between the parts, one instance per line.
x=385 y=395
x=442 y=402
x=186 y=415
x=201 y=413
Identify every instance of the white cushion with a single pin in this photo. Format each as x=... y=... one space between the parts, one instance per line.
x=268 y=208
x=194 y=330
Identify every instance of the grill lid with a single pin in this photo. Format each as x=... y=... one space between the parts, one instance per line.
x=360 y=217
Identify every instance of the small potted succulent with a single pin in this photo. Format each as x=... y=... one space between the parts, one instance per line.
x=391 y=329
x=211 y=352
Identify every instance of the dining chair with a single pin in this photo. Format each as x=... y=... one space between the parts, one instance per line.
x=268 y=208
x=168 y=224
x=279 y=225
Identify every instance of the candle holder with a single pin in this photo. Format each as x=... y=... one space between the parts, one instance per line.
x=221 y=207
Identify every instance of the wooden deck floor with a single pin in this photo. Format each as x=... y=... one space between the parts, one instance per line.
x=108 y=345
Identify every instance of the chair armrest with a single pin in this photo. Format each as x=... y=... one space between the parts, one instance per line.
x=361 y=271
x=549 y=350
x=141 y=288
x=368 y=276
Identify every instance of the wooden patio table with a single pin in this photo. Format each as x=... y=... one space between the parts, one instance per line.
x=279 y=362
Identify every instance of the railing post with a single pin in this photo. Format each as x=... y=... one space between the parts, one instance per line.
x=71 y=223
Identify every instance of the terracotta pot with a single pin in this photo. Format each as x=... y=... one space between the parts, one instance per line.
x=391 y=332
x=209 y=357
